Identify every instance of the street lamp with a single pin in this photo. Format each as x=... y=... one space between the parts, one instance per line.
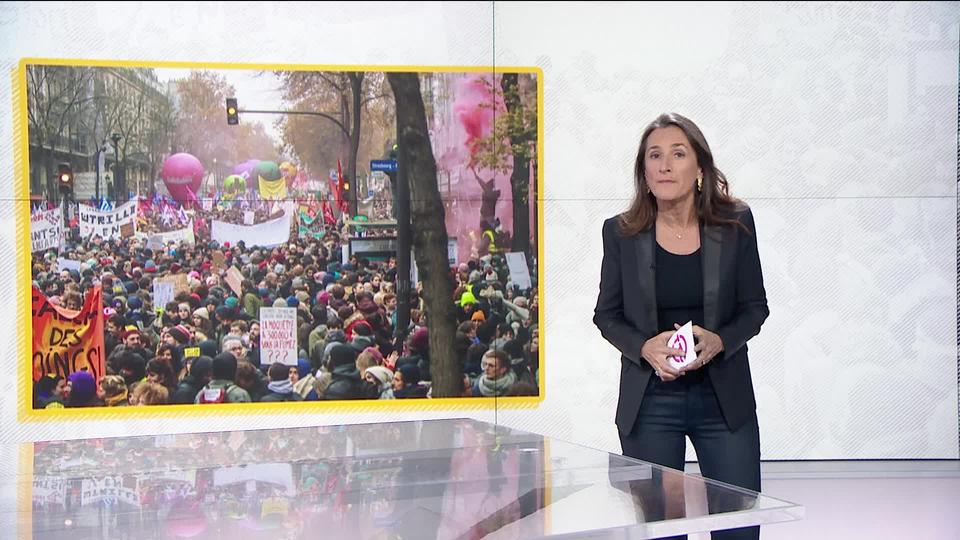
x=115 y=139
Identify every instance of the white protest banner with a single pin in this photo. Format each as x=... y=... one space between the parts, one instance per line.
x=268 y=234
x=207 y=205
x=46 y=230
x=110 y=224
x=278 y=336
x=162 y=293
x=67 y=264
x=159 y=240
x=248 y=218
x=519 y=273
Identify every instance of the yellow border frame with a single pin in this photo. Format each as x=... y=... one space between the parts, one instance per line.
x=25 y=411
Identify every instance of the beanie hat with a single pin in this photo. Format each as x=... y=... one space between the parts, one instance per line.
x=381 y=374
x=478 y=316
x=341 y=355
x=82 y=387
x=231 y=302
x=202 y=313
x=134 y=302
x=292 y=301
x=280 y=302
x=420 y=340
x=411 y=374
x=180 y=333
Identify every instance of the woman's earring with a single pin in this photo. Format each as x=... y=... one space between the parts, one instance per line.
x=699 y=182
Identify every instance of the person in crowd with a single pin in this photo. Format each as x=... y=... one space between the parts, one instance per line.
x=113 y=391
x=149 y=393
x=222 y=388
x=280 y=387
x=198 y=376
x=498 y=376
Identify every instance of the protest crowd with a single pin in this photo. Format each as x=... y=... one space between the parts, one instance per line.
x=173 y=312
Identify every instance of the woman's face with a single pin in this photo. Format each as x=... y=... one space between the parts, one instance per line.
x=294 y=375
x=367 y=376
x=155 y=378
x=398 y=381
x=197 y=322
x=167 y=355
x=61 y=389
x=670 y=164
x=184 y=313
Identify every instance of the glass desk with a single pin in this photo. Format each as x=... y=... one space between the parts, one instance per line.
x=455 y=478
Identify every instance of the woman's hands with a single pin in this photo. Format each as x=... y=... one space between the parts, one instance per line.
x=708 y=345
x=656 y=352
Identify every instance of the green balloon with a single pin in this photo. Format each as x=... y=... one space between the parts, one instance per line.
x=267 y=170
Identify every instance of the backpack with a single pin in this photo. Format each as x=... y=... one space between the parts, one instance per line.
x=214 y=395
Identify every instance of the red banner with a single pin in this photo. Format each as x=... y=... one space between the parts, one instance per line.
x=65 y=341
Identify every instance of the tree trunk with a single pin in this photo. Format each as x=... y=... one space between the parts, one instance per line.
x=429 y=232
x=50 y=185
x=356 y=86
x=520 y=178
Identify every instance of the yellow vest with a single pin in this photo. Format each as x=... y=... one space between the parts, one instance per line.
x=493 y=242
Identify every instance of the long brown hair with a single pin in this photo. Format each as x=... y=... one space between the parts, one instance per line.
x=713 y=204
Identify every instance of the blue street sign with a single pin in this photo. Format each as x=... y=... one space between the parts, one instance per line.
x=384 y=165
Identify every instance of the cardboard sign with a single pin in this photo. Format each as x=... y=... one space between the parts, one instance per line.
x=219 y=260
x=66 y=341
x=67 y=264
x=248 y=218
x=278 y=336
x=234 y=279
x=179 y=282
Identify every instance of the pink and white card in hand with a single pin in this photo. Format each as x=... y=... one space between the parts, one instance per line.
x=683 y=339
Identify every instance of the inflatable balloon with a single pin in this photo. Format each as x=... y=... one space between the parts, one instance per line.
x=182 y=174
x=288 y=171
x=234 y=187
x=245 y=169
x=269 y=181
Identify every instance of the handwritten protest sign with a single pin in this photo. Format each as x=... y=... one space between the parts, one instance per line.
x=46 y=230
x=278 y=336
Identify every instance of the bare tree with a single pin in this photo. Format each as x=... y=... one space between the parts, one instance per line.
x=429 y=232
x=55 y=98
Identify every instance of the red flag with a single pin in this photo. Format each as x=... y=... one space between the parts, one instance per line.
x=342 y=202
x=328 y=213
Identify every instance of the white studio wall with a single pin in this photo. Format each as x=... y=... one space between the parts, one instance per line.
x=837 y=123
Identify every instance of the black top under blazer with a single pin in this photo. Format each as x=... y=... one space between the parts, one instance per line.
x=734 y=305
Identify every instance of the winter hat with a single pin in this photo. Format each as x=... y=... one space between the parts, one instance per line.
x=202 y=313
x=420 y=340
x=280 y=302
x=478 y=316
x=340 y=355
x=411 y=374
x=381 y=374
x=292 y=301
x=180 y=333
x=134 y=302
x=372 y=351
x=82 y=387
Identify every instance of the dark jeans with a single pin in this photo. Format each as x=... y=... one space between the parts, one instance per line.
x=688 y=407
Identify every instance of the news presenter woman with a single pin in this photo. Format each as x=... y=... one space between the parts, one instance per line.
x=685 y=250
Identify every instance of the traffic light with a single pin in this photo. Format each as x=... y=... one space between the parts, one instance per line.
x=65 y=177
x=233 y=118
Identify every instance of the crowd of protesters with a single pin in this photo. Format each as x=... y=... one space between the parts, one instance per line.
x=349 y=346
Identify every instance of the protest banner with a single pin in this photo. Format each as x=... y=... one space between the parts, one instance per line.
x=160 y=240
x=46 y=230
x=66 y=341
x=267 y=234
x=278 y=336
x=108 y=224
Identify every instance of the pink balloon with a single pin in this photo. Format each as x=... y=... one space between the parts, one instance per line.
x=182 y=174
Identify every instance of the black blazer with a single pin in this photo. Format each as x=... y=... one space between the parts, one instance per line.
x=734 y=306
